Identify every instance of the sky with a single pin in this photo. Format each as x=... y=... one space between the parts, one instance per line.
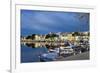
x=43 y=22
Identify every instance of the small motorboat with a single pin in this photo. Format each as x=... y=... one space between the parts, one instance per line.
x=50 y=56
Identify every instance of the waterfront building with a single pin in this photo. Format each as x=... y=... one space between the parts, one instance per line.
x=37 y=37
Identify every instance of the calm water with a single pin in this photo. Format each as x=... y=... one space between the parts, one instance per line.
x=36 y=52
x=33 y=52
x=29 y=54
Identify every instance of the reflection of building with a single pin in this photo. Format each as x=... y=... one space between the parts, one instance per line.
x=37 y=44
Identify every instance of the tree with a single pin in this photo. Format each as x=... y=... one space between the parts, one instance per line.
x=54 y=35
x=28 y=37
x=47 y=36
x=33 y=36
x=51 y=36
x=76 y=34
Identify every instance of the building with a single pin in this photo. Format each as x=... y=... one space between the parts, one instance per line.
x=37 y=37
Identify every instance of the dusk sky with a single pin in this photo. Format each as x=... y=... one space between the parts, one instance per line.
x=43 y=22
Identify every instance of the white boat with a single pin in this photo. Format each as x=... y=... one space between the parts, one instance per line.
x=66 y=50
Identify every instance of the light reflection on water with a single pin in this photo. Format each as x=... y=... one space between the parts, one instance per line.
x=29 y=54
x=34 y=52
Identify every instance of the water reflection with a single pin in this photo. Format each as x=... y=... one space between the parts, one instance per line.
x=50 y=51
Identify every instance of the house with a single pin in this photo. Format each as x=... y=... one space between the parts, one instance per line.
x=37 y=37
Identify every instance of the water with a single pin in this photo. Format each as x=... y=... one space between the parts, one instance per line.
x=36 y=52
x=29 y=54
x=41 y=52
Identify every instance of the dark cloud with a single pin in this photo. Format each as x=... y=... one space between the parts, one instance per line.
x=43 y=22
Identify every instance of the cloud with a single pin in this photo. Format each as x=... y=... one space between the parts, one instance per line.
x=46 y=21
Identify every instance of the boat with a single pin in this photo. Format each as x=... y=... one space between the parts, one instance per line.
x=50 y=56
x=66 y=50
